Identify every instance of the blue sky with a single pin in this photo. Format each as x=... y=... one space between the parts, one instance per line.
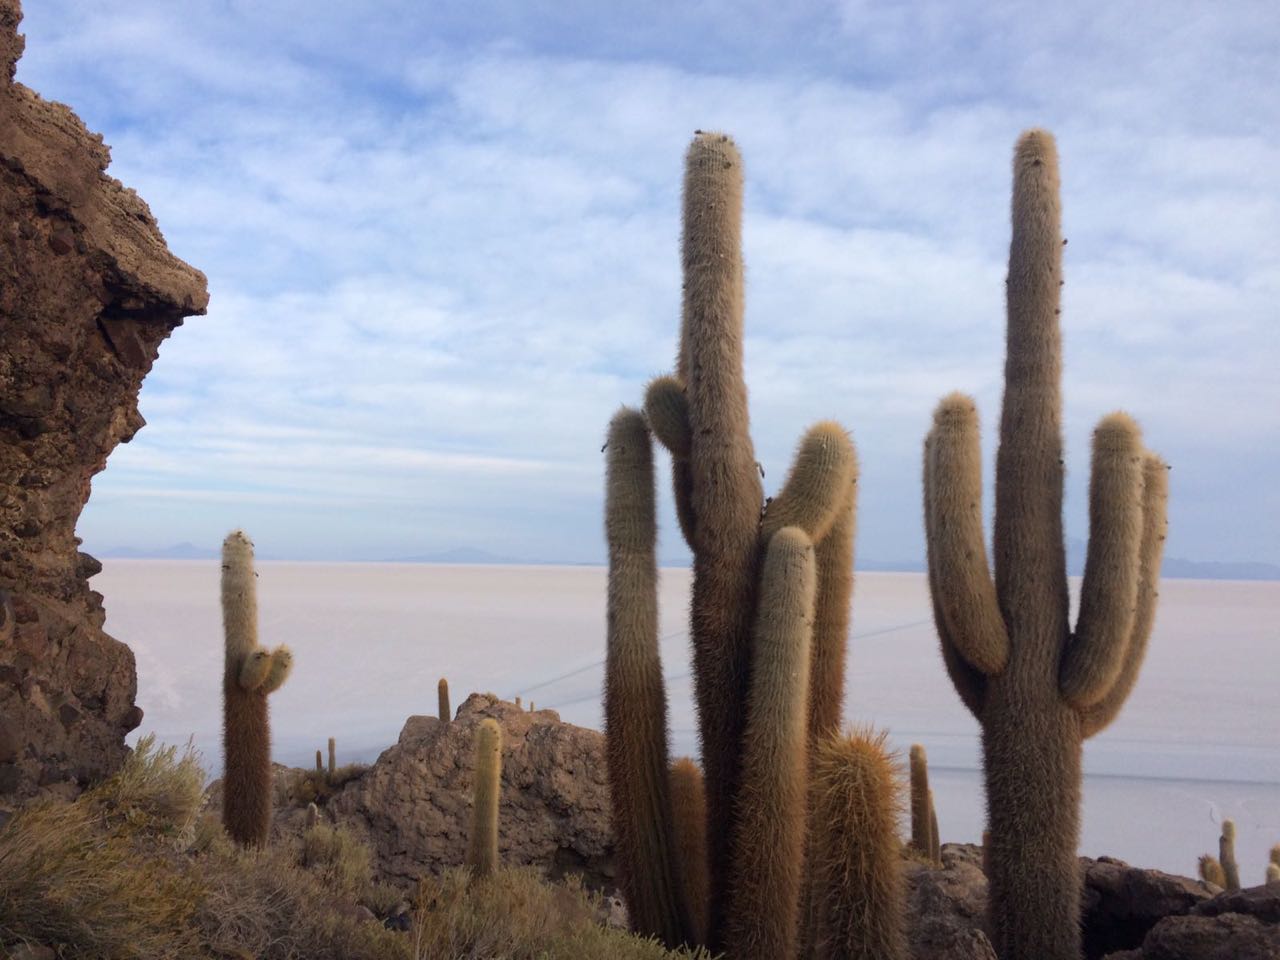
x=441 y=242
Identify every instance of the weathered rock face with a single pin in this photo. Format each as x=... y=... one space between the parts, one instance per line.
x=88 y=291
x=948 y=907
x=414 y=803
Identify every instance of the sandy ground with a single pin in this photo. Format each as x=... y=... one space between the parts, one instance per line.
x=1197 y=741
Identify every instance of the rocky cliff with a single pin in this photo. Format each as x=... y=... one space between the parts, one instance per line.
x=88 y=291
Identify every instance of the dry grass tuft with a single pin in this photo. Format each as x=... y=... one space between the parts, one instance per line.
x=134 y=870
x=338 y=859
x=515 y=915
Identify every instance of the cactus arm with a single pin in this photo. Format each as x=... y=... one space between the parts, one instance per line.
x=834 y=558
x=957 y=556
x=768 y=830
x=689 y=816
x=970 y=685
x=635 y=701
x=1109 y=592
x=667 y=408
x=817 y=487
x=254 y=669
x=278 y=673
x=1155 y=501
x=1030 y=559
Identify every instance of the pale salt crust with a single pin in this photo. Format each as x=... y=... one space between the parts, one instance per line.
x=1199 y=739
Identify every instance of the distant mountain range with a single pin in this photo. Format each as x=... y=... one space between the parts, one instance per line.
x=1174 y=567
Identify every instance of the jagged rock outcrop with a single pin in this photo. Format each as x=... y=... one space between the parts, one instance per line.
x=413 y=805
x=948 y=907
x=1121 y=904
x=88 y=290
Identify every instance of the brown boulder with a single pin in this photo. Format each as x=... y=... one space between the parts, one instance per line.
x=1228 y=936
x=88 y=291
x=1122 y=903
x=414 y=804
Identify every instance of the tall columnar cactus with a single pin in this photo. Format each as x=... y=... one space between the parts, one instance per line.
x=689 y=818
x=635 y=702
x=250 y=674
x=442 y=692
x=482 y=844
x=333 y=758
x=700 y=415
x=1037 y=688
x=768 y=840
x=920 y=839
x=1227 y=856
x=857 y=880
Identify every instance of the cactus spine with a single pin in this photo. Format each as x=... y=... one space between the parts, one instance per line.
x=442 y=692
x=857 y=879
x=689 y=814
x=1227 y=856
x=700 y=415
x=482 y=844
x=1038 y=689
x=635 y=702
x=250 y=673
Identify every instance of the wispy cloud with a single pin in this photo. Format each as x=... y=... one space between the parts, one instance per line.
x=442 y=247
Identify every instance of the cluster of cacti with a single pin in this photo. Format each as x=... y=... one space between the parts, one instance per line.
x=772 y=581
x=1037 y=688
x=250 y=674
x=924 y=818
x=482 y=842
x=1224 y=871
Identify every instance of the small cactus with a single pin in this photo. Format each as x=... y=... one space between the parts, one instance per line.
x=858 y=886
x=1211 y=871
x=935 y=841
x=482 y=845
x=319 y=762
x=442 y=691
x=250 y=673
x=920 y=841
x=1275 y=855
x=517 y=703
x=1227 y=856
x=1273 y=873
x=333 y=758
x=313 y=815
